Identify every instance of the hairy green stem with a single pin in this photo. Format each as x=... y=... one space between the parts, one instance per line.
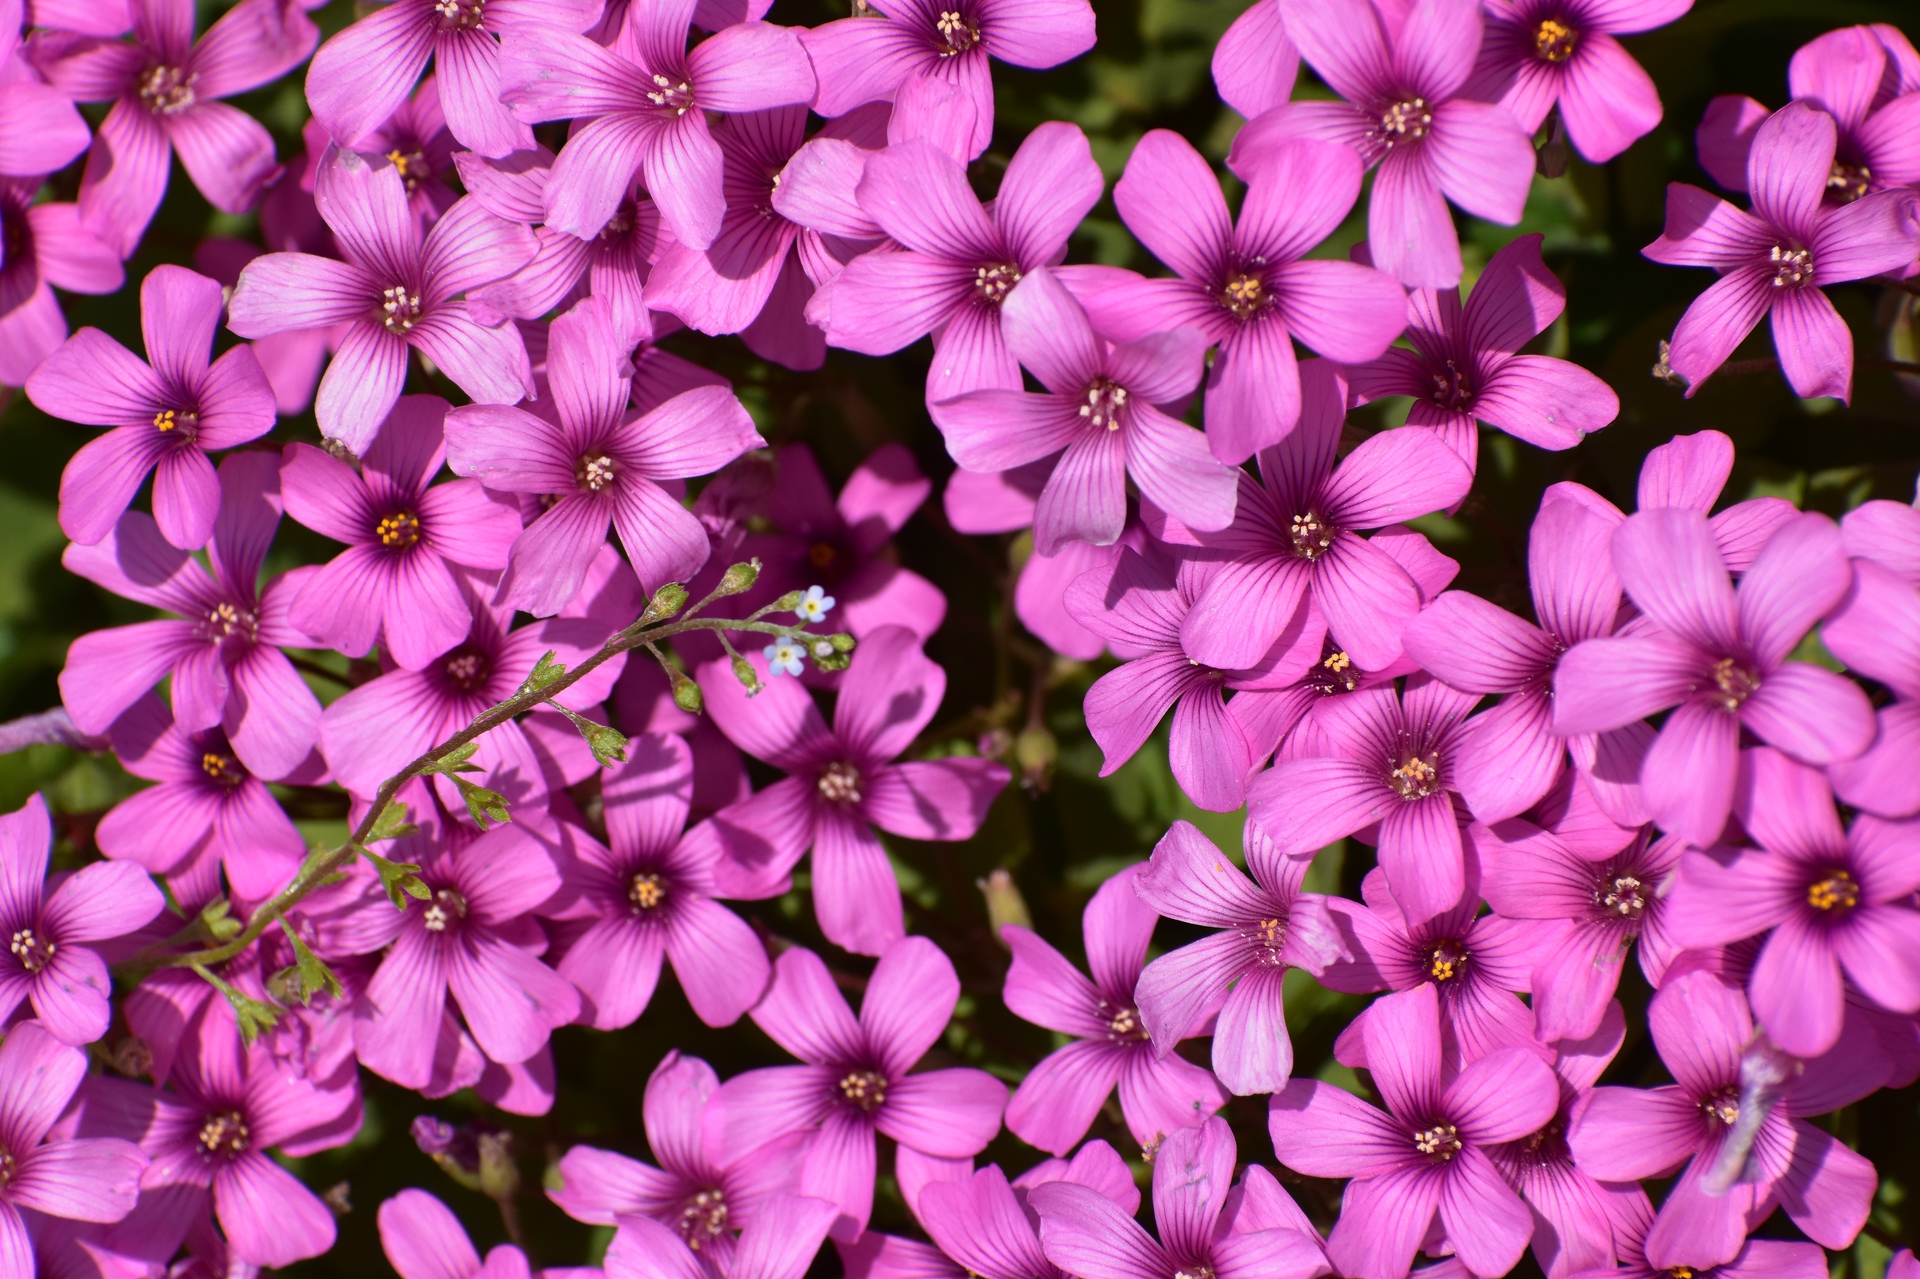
x=321 y=868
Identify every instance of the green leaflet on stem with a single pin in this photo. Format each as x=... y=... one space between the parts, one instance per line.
x=609 y=745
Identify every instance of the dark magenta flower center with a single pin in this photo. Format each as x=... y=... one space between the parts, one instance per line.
x=468 y=668
x=227 y=620
x=412 y=166
x=179 y=425
x=1733 y=683
x=447 y=909
x=955 y=33
x=1554 y=40
x=647 y=891
x=34 y=950
x=993 y=283
x=1792 y=267
x=1446 y=961
x=1451 y=389
x=224 y=1136
x=399 y=530
x=865 y=1090
x=1105 y=404
x=594 y=471
x=461 y=14
x=1310 y=535
x=703 y=1218
x=840 y=783
x=1439 y=1143
x=1848 y=181
x=1402 y=122
x=1123 y=1023
x=1835 y=893
x=673 y=95
x=166 y=90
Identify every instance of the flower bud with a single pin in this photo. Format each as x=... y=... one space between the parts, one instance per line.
x=1005 y=905
x=738 y=578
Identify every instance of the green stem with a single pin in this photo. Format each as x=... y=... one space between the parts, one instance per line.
x=319 y=869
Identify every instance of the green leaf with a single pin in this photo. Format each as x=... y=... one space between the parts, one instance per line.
x=253 y=1015
x=609 y=745
x=546 y=673
x=400 y=879
x=217 y=918
x=315 y=976
x=455 y=761
x=483 y=803
x=393 y=823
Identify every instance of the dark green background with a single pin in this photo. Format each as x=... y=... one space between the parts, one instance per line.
x=1063 y=837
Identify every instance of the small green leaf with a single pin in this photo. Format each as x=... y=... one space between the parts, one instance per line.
x=253 y=1015
x=738 y=578
x=315 y=976
x=483 y=803
x=686 y=693
x=217 y=918
x=455 y=761
x=609 y=745
x=666 y=602
x=393 y=823
x=400 y=879
x=546 y=673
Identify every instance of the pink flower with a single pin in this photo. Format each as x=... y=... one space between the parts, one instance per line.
x=1539 y=54
x=165 y=89
x=1465 y=366
x=49 y=962
x=223 y=651
x=1099 y=420
x=165 y=415
x=1477 y=965
x=1584 y=912
x=605 y=465
x=1087 y=1234
x=650 y=895
x=1776 y=260
x=225 y=1108
x=361 y=76
x=1720 y=657
x=1266 y=926
x=645 y=103
x=1404 y=109
x=704 y=1199
x=961 y=260
x=395 y=291
x=911 y=43
x=1703 y=1031
x=207 y=815
x=1826 y=900
x=1255 y=64
x=1294 y=550
x=843 y=782
x=1386 y=759
x=1428 y=1154
x=47 y=245
x=1757 y=1259
x=855 y=1082
x=475 y=937
x=1854 y=74
x=395 y=582
x=1057 y=1102
x=1249 y=288
x=72 y=1179
x=416 y=141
